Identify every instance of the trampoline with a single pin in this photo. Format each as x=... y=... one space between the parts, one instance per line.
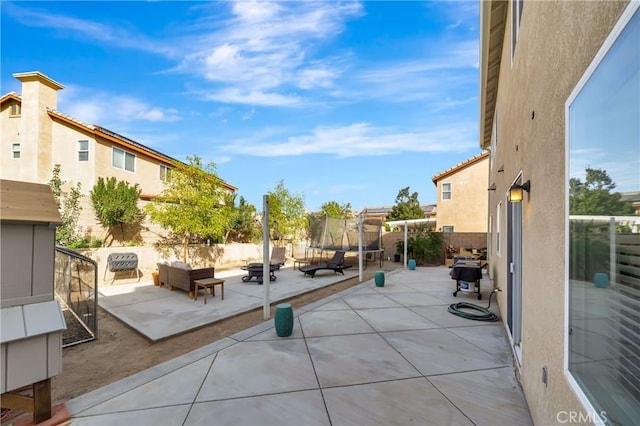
x=330 y=234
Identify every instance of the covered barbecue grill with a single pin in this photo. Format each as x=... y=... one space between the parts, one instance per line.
x=467 y=273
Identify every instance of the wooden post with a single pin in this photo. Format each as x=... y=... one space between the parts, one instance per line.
x=42 y=401
x=39 y=404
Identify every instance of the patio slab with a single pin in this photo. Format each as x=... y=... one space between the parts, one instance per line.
x=362 y=356
x=157 y=313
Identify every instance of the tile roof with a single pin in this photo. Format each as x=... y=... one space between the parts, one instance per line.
x=107 y=134
x=459 y=166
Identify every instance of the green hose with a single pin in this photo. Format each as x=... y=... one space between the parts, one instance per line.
x=486 y=314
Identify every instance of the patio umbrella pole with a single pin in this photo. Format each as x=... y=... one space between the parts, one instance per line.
x=265 y=256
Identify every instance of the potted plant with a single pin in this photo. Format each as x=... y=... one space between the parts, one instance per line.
x=399 y=250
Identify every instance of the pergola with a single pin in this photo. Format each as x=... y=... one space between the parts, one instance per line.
x=406 y=224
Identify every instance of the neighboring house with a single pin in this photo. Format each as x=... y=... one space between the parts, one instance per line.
x=634 y=198
x=36 y=136
x=462 y=196
x=560 y=91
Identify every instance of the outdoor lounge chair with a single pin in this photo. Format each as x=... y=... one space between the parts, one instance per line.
x=335 y=264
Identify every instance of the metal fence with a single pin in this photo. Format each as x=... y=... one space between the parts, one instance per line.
x=76 y=287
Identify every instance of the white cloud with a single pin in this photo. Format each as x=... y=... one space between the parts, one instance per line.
x=318 y=77
x=235 y=95
x=113 y=35
x=249 y=115
x=94 y=107
x=265 y=47
x=358 y=139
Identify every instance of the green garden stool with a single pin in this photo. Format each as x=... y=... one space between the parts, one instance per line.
x=379 y=278
x=283 y=320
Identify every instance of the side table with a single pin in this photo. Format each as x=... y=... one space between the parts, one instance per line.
x=211 y=283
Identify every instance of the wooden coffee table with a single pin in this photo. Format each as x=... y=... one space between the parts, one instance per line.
x=211 y=283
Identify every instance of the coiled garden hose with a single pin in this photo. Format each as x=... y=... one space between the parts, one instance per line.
x=485 y=315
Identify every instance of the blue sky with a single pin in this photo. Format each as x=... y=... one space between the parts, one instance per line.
x=343 y=101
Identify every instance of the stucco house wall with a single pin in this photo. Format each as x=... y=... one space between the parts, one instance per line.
x=556 y=43
x=466 y=210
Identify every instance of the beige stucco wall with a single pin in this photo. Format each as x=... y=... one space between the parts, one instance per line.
x=466 y=211
x=65 y=153
x=557 y=42
x=220 y=256
x=9 y=131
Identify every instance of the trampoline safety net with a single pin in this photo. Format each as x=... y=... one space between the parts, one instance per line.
x=342 y=234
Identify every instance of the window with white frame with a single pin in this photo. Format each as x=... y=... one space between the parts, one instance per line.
x=15 y=150
x=446 y=191
x=498 y=225
x=602 y=283
x=447 y=228
x=164 y=172
x=83 y=150
x=516 y=16
x=123 y=160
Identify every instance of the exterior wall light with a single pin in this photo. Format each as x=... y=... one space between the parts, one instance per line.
x=516 y=192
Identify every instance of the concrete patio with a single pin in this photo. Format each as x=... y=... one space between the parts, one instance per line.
x=388 y=355
x=157 y=313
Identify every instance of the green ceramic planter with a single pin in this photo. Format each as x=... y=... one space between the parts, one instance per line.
x=379 y=278
x=283 y=320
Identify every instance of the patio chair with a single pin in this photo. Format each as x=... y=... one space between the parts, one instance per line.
x=336 y=264
x=277 y=257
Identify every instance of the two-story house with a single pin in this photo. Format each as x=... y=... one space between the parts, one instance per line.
x=560 y=95
x=36 y=136
x=462 y=196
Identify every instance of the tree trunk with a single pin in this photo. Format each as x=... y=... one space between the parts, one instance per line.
x=184 y=248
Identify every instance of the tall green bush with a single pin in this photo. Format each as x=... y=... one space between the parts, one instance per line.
x=69 y=208
x=424 y=246
x=116 y=203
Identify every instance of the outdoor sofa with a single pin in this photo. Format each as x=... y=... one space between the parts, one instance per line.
x=181 y=275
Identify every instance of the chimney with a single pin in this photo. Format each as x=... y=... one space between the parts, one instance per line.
x=39 y=92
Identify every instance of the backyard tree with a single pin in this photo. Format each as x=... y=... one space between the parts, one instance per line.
x=115 y=204
x=69 y=207
x=594 y=196
x=287 y=216
x=407 y=206
x=338 y=211
x=245 y=227
x=193 y=204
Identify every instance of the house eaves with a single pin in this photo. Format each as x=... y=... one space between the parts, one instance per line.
x=13 y=96
x=459 y=167
x=493 y=19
